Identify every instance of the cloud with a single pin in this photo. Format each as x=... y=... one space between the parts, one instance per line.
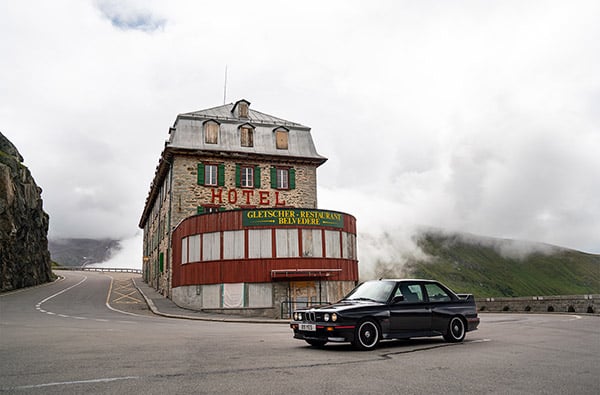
x=456 y=115
x=130 y=15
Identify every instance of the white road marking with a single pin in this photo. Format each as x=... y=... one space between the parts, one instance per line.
x=103 y=380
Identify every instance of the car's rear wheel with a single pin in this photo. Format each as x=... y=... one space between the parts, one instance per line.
x=316 y=343
x=456 y=330
x=367 y=335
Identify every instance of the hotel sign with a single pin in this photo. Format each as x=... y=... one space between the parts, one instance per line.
x=292 y=216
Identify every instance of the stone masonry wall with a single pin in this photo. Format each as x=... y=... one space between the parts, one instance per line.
x=566 y=304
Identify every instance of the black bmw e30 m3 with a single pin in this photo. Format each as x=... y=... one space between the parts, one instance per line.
x=388 y=309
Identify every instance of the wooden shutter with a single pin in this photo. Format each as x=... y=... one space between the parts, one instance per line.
x=221 y=175
x=200 y=173
x=256 y=176
x=238 y=177
x=273 y=177
x=292 y=178
x=161 y=262
x=200 y=210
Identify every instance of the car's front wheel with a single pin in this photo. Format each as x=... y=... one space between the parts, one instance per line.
x=367 y=335
x=316 y=343
x=456 y=330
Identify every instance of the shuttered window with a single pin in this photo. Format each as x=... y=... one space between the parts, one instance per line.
x=247 y=136
x=283 y=178
x=211 y=132
x=211 y=174
x=247 y=176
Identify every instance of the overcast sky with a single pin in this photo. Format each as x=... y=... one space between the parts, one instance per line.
x=478 y=116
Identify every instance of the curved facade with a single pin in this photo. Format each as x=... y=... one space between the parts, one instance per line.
x=263 y=261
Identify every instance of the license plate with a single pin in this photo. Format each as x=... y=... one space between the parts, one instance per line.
x=307 y=327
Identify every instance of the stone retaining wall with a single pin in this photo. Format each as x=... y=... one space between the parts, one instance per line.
x=559 y=304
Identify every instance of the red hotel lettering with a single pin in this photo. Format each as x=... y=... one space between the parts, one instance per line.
x=232 y=196
x=264 y=198
x=218 y=195
x=277 y=202
x=247 y=193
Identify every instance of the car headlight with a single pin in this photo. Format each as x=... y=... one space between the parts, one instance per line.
x=334 y=317
x=295 y=316
x=326 y=317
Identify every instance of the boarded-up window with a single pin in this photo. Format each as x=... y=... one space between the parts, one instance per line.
x=211 y=296
x=233 y=244
x=233 y=295
x=184 y=250
x=287 y=243
x=211 y=246
x=312 y=243
x=194 y=248
x=247 y=136
x=348 y=246
x=211 y=132
x=243 y=109
x=260 y=295
x=332 y=244
x=281 y=139
x=259 y=243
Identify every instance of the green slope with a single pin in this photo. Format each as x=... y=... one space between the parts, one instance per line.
x=469 y=266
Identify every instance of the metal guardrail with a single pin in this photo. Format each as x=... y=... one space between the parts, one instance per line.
x=98 y=269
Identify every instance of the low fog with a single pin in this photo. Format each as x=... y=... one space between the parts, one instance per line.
x=465 y=116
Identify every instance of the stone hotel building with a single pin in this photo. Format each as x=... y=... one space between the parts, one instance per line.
x=231 y=222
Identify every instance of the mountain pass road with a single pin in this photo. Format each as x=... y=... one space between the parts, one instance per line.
x=92 y=333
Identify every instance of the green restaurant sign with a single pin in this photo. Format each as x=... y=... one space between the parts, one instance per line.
x=292 y=216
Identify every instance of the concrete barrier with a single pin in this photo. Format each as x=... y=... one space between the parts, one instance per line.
x=582 y=304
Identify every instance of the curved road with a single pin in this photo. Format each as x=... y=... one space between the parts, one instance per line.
x=72 y=337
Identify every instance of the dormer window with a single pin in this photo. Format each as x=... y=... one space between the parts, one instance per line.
x=211 y=132
x=281 y=138
x=247 y=135
x=240 y=109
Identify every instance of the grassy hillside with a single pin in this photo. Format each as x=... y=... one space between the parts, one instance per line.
x=482 y=267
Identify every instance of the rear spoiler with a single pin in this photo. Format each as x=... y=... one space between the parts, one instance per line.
x=468 y=297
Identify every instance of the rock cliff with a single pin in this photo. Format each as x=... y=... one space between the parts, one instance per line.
x=24 y=256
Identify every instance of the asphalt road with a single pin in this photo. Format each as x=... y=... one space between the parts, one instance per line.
x=74 y=336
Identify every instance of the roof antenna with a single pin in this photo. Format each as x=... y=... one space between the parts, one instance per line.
x=225 y=87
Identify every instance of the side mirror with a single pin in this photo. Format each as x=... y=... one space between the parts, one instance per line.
x=398 y=299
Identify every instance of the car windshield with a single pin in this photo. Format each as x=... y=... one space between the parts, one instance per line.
x=377 y=291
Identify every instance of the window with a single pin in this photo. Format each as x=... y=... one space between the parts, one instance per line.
x=283 y=178
x=247 y=136
x=247 y=177
x=243 y=109
x=281 y=138
x=436 y=293
x=259 y=243
x=208 y=209
x=286 y=241
x=211 y=132
x=210 y=174
x=410 y=292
